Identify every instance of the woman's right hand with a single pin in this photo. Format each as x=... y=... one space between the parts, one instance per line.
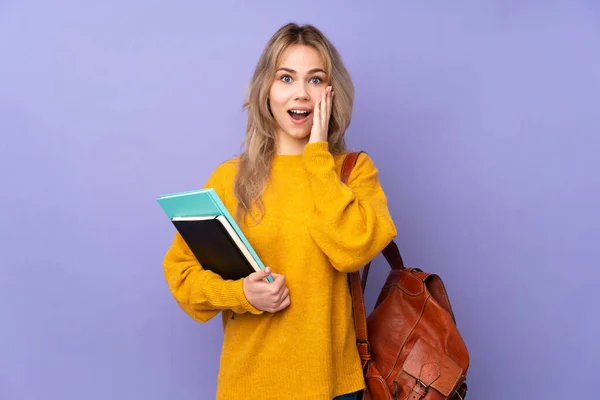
x=266 y=296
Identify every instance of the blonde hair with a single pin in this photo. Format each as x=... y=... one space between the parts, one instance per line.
x=256 y=159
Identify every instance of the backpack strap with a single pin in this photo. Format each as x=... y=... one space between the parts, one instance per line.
x=356 y=286
x=349 y=163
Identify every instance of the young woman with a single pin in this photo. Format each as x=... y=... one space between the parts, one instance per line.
x=293 y=338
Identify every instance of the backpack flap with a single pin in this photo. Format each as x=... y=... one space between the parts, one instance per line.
x=432 y=369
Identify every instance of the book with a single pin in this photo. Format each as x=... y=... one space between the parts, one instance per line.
x=211 y=233
x=216 y=246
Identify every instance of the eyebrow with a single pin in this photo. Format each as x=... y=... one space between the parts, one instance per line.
x=312 y=71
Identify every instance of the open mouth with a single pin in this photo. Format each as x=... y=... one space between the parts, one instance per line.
x=299 y=115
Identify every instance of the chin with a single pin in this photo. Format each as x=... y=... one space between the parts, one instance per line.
x=298 y=135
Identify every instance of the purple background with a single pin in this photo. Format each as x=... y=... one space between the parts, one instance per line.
x=483 y=119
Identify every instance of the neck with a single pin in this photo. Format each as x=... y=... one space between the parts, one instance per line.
x=285 y=145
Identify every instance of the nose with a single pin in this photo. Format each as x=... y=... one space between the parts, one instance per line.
x=301 y=92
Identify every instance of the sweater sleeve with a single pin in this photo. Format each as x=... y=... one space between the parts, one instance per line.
x=351 y=223
x=201 y=293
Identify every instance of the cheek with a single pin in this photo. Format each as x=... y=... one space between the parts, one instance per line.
x=279 y=91
x=317 y=92
x=277 y=102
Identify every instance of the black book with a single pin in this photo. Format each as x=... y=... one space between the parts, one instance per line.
x=216 y=246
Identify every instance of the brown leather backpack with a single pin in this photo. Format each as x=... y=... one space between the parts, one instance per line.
x=413 y=349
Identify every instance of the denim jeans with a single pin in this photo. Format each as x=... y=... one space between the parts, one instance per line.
x=348 y=396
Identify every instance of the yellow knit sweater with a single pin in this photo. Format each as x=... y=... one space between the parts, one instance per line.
x=315 y=230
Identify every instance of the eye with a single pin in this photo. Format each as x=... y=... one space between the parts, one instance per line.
x=286 y=78
x=316 y=80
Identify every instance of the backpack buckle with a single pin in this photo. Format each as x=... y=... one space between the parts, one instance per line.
x=365 y=342
x=423 y=384
x=418 y=391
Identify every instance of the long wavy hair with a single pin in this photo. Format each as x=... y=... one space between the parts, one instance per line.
x=259 y=144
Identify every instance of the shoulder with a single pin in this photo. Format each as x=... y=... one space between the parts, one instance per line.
x=363 y=159
x=363 y=168
x=364 y=173
x=229 y=166
x=224 y=173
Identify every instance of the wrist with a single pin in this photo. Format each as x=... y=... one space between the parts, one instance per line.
x=244 y=298
x=315 y=148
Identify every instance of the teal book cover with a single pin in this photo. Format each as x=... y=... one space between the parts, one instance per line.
x=200 y=203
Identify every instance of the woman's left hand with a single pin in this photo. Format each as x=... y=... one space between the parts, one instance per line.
x=321 y=115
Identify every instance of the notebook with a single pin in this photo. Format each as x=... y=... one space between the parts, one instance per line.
x=212 y=234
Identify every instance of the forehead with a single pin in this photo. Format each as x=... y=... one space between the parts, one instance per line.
x=301 y=58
